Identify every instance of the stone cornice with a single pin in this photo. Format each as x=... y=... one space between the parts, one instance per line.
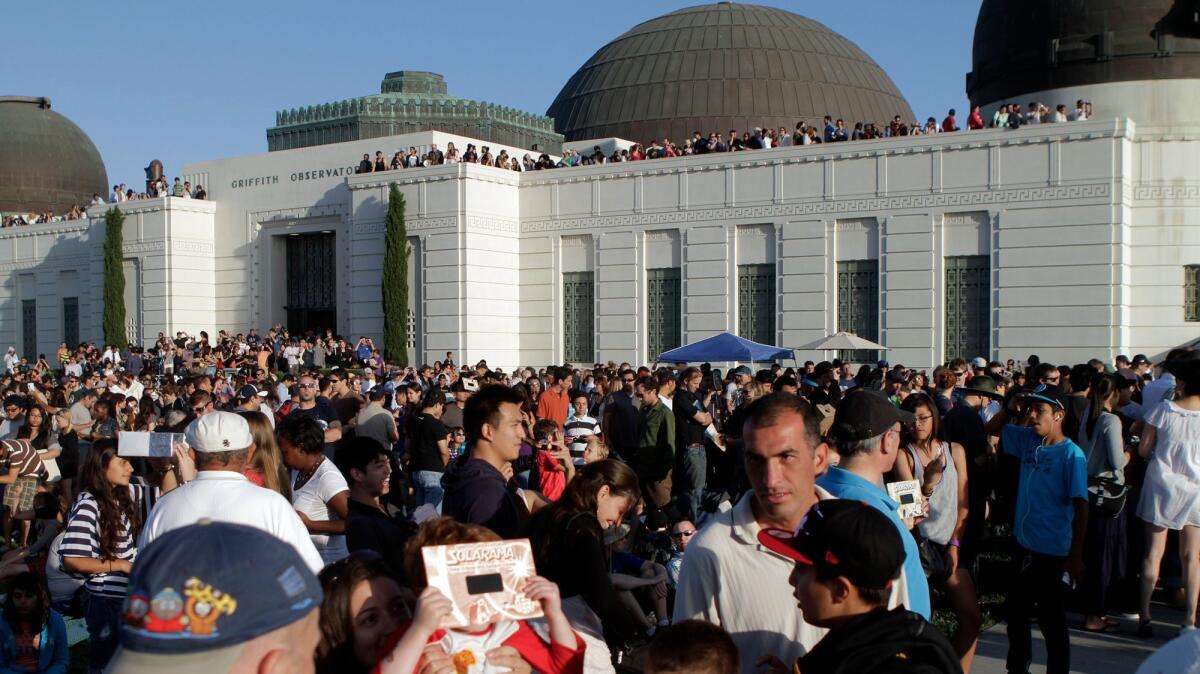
x=45 y=229
x=958 y=200
x=159 y=204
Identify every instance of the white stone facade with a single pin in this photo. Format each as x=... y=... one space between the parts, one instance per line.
x=1087 y=227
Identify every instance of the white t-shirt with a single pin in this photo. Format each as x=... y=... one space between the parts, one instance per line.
x=313 y=500
x=226 y=496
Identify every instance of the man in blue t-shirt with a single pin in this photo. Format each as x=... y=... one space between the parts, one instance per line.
x=866 y=430
x=1049 y=522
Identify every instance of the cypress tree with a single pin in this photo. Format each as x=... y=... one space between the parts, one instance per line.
x=114 y=278
x=395 y=281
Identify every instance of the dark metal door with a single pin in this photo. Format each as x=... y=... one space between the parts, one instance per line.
x=29 y=329
x=1191 y=292
x=311 y=282
x=756 y=302
x=71 y=321
x=578 y=312
x=968 y=307
x=858 y=306
x=663 y=310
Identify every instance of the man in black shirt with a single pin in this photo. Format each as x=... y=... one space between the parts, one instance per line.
x=691 y=420
x=367 y=468
x=620 y=418
x=428 y=449
x=309 y=404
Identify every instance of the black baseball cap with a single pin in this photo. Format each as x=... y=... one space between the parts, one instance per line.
x=846 y=538
x=864 y=414
x=1049 y=394
x=1140 y=359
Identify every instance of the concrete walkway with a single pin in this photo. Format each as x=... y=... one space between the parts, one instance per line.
x=1119 y=653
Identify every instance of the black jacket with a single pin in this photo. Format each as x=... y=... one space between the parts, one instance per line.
x=896 y=641
x=569 y=550
x=369 y=528
x=476 y=493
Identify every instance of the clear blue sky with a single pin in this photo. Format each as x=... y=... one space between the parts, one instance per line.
x=184 y=82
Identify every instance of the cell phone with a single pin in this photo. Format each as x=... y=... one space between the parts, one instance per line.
x=716 y=380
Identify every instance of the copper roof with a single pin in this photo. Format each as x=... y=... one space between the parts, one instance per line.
x=1028 y=46
x=46 y=162
x=718 y=67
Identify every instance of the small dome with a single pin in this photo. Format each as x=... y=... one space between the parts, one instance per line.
x=720 y=67
x=46 y=162
x=1029 y=46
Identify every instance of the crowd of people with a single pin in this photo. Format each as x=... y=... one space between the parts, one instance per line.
x=21 y=219
x=120 y=193
x=1007 y=116
x=697 y=520
x=154 y=189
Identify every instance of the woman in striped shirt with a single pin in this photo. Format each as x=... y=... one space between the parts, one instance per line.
x=100 y=542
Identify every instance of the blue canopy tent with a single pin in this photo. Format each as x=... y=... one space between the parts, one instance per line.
x=725 y=347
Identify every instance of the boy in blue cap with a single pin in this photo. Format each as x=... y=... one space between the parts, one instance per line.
x=1049 y=522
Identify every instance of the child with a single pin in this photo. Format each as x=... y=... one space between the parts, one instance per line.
x=554 y=465
x=1049 y=523
x=477 y=649
x=848 y=555
x=33 y=637
x=693 y=647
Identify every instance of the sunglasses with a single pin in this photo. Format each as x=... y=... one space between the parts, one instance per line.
x=199 y=409
x=683 y=534
x=307 y=385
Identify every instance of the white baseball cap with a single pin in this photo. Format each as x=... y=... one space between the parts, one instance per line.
x=219 y=432
x=978 y=361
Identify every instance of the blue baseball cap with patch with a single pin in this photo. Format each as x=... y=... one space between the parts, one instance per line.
x=196 y=594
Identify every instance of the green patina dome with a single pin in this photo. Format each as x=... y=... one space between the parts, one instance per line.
x=47 y=163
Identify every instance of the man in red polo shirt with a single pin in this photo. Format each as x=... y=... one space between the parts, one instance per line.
x=555 y=402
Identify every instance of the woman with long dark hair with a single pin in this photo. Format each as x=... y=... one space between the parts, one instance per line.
x=363 y=605
x=100 y=542
x=39 y=430
x=33 y=636
x=571 y=549
x=1104 y=543
x=941 y=469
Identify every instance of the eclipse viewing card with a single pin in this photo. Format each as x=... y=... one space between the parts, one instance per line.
x=483 y=580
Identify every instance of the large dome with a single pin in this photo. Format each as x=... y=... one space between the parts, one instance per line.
x=46 y=162
x=1028 y=46
x=720 y=67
